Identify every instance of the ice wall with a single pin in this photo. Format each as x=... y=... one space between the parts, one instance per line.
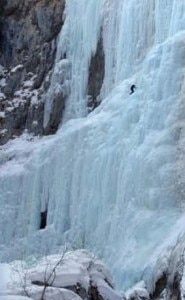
x=129 y=30
x=112 y=181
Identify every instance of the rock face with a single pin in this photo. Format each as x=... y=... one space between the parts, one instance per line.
x=96 y=76
x=28 y=32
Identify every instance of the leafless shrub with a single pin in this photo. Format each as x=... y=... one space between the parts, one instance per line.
x=22 y=273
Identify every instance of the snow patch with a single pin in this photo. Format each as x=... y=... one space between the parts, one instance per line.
x=16 y=68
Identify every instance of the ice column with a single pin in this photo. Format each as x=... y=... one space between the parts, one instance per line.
x=77 y=42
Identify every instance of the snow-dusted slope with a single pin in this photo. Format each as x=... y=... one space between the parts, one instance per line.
x=112 y=181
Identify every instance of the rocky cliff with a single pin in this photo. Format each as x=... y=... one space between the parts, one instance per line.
x=28 y=38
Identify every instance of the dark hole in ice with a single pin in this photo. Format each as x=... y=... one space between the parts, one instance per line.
x=43 y=219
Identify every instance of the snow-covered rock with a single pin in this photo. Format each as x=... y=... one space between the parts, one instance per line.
x=138 y=292
x=16 y=69
x=71 y=275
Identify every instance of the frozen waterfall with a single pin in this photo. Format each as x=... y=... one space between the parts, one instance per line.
x=111 y=181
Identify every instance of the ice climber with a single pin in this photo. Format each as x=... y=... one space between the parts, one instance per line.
x=132 y=89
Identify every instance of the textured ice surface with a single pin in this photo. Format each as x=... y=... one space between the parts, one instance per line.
x=113 y=181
